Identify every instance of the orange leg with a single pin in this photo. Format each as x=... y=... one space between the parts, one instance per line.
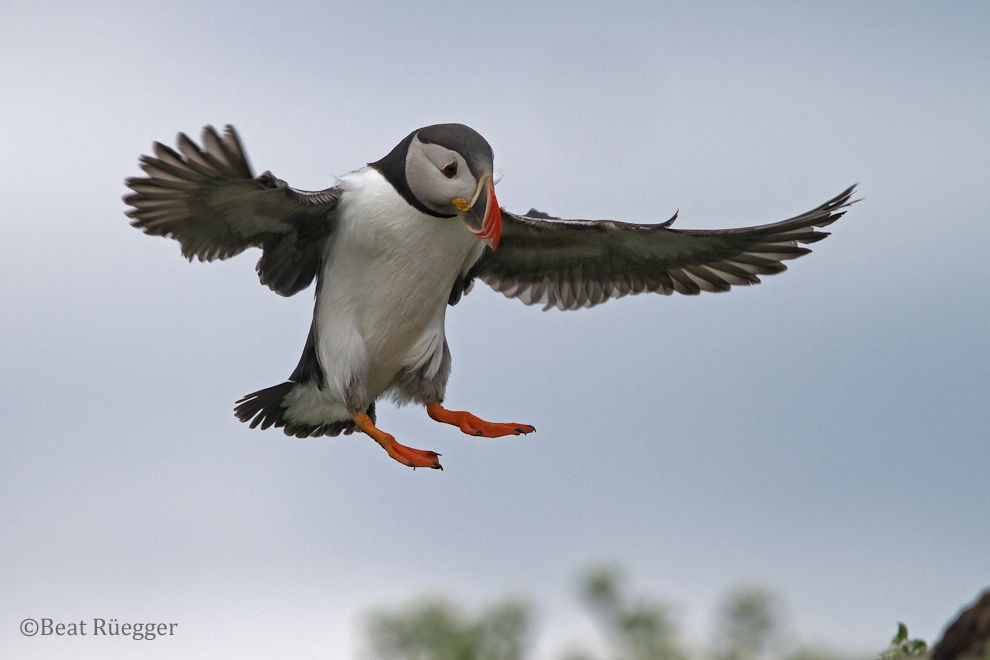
x=414 y=458
x=471 y=425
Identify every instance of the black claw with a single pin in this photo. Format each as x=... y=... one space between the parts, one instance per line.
x=478 y=432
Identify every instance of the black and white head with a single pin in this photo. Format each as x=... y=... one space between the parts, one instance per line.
x=445 y=170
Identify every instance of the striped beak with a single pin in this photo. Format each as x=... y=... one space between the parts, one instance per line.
x=483 y=216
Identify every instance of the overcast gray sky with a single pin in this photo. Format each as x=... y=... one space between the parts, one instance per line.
x=824 y=434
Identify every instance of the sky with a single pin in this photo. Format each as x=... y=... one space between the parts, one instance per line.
x=823 y=434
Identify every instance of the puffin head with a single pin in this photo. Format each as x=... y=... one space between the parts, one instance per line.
x=445 y=170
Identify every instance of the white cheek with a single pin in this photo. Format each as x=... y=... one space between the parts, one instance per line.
x=449 y=189
x=433 y=188
x=463 y=183
x=424 y=173
x=465 y=186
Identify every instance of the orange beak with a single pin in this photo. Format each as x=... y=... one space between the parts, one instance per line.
x=491 y=227
x=484 y=218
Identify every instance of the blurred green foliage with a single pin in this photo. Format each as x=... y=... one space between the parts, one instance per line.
x=747 y=623
x=747 y=627
x=436 y=630
x=635 y=629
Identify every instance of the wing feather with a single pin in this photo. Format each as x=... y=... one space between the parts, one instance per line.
x=570 y=264
x=210 y=202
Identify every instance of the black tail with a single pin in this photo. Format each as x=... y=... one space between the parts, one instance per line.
x=267 y=408
x=264 y=407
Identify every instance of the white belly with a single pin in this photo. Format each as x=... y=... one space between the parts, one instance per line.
x=385 y=284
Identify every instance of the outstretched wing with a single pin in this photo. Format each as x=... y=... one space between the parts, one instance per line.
x=209 y=201
x=579 y=263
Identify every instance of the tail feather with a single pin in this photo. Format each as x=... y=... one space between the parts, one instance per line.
x=267 y=408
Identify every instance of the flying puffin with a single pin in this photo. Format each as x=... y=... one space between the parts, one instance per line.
x=394 y=243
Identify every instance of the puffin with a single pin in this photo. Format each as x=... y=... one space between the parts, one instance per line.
x=393 y=244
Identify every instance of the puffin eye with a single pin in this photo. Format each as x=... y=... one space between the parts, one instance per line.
x=450 y=171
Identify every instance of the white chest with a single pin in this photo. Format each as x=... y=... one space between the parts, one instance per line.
x=388 y=273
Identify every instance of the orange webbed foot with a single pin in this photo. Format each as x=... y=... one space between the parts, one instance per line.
x=472 y=425
x=414 y=458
